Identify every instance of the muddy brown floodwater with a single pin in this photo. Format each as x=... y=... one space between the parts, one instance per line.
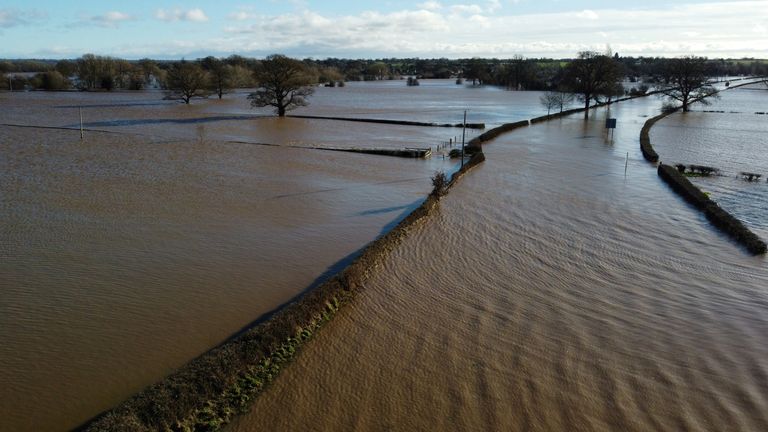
x=551 y=292
x=124 y=256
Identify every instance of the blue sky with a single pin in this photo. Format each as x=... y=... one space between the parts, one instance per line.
x=374 y=29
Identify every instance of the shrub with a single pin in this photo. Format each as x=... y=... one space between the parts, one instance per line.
x=668 y=108
x=50 y=81
x=638 y=91
x=439 y=184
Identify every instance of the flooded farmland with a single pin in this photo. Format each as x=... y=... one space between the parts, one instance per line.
x=553 y=291
x=731 y=135
x=169 y=228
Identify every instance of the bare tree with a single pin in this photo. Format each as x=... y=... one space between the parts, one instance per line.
x=590 y=76
x=519 y=73
x=688 y=80
x=185 y=81
x=220 y=74
x=96 y=72
x=149 y=70
x=549 y=100
x=553 y=99
x=476 y=70
x=564 y=99
x=376 y=71
x=284 y=83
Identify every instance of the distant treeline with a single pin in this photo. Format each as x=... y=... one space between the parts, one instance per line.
x=92 y=72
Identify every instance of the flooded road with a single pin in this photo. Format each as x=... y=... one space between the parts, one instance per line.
x=551 y=292
x=128 y=254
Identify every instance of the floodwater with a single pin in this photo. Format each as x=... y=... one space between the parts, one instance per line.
x=169 y=228
x=552 y=291
x=733 y=139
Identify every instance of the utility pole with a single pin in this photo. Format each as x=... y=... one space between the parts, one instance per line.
x=463 y=133
x=81 y=123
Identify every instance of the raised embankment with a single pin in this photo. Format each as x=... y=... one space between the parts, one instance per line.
x=419 y=153
x=719 y=217
x=645 y=139
x=207 y=392
x=392 y=122
x=723 y=220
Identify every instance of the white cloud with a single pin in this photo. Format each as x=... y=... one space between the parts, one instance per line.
x=193 y=15
x=493 y=5
x=480 y=28
x=430 y=5
x=470 y=9
x=108 y=19
x=240 y=16
x=474 y=30
x=588 y=14
x=14 y=17
x=196 y=15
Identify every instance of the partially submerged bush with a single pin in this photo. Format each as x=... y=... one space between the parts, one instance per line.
x=668 y=108
x=640 y=90
x=439 y=184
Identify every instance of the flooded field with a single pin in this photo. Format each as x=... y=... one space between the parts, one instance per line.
x=169 y=229
x=551 y=292
x=733 y=139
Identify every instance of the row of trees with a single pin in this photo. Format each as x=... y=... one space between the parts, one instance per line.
x=518 y=73
x=596 y=77
x=285 y=83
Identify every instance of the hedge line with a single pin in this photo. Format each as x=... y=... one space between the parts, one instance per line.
x=207 y=392
x=393 y=122
x=645 y=139
x=715 y=214
x=475 y=142
x=558 y=115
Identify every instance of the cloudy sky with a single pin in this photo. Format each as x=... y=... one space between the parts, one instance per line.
x=375 y=29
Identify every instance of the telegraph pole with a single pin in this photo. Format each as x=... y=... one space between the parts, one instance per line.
x=463 y=133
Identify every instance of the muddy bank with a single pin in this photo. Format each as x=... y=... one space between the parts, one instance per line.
x=207 y=392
